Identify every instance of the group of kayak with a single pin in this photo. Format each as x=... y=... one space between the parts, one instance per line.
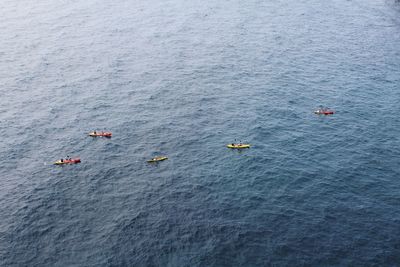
x=69 y=160
x=152 y=160
x=320 y=111
x=233 y=145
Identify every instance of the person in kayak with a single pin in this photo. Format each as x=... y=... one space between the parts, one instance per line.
x=94 y=132
x=62 y=160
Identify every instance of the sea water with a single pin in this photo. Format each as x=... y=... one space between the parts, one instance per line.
x=183 y=79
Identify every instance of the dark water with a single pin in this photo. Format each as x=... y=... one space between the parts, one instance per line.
x=183 y=79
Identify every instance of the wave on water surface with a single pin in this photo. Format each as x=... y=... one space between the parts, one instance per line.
x=184 y=79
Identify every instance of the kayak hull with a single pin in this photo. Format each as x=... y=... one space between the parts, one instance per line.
x=326 y=112
x=238 y=146
x=66 y=162
x=104 y=134
x=157 y=159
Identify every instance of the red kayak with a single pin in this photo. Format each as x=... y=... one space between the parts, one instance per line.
x=324 y=112
x=67 y=161
x=100 y=134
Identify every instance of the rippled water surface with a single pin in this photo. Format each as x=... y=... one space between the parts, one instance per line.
x=183 y=79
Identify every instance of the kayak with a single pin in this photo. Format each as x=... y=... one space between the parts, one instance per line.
x=238 y=146
x=156 y=159
x=67 y=161
x=100 y=134
x=324 y=112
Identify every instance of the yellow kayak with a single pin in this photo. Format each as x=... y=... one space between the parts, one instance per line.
x=238 y=146
x=156 y=159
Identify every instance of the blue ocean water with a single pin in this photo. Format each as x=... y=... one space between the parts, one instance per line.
x=183 y=79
